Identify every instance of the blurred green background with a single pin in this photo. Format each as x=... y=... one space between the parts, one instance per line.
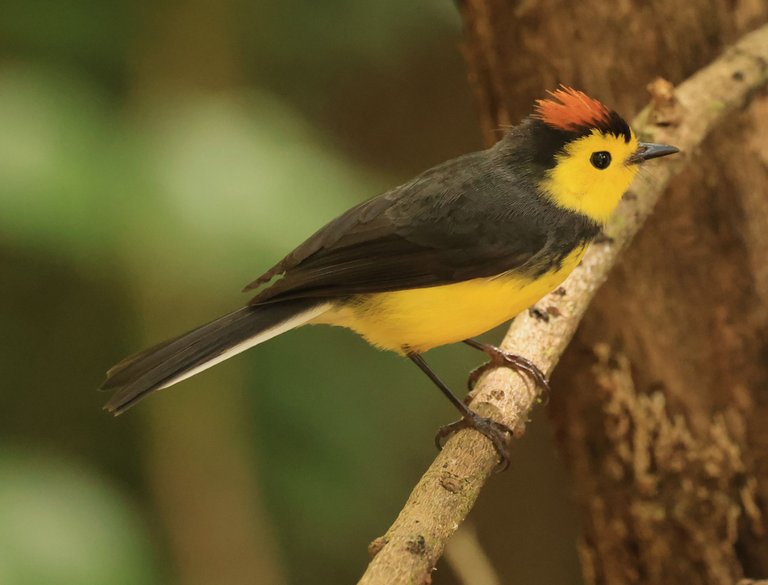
x=154 y=158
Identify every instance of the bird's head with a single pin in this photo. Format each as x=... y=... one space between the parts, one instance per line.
x=587 y=153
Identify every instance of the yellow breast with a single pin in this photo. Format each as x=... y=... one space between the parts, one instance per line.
x=422 y=318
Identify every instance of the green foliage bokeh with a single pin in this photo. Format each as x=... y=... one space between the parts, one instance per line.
x=140 y=189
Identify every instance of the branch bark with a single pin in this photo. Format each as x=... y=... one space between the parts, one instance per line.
x=445 y=494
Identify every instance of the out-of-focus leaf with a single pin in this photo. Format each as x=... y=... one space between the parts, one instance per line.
x=190 y=194
x=345 y=30
x=92 y=32
x=57 y=163
x=235 y=180
x=62 y=525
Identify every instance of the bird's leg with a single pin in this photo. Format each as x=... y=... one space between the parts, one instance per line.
x=499 y=434
x=501 y=359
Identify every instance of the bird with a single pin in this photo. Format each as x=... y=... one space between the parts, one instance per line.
x=459 y=249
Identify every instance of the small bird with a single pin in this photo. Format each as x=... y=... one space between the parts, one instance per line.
x=452 y=253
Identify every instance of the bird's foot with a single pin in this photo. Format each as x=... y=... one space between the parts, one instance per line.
x=502 y=359
x=500 y=435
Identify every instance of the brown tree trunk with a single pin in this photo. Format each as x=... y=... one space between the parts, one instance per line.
x=667 y=379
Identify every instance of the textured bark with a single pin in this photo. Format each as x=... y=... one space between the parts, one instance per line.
x=664 y=390
x=516 y=50
x=448 y=490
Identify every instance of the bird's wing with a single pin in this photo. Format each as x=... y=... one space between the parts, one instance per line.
x=458 y=221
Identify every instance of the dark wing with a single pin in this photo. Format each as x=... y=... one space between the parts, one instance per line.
x=464 y=219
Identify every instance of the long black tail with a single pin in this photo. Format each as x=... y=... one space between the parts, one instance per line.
x=177 y=359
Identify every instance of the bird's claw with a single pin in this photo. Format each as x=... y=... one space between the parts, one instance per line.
x=500 y=435
x=502 y=359
x=475 y=374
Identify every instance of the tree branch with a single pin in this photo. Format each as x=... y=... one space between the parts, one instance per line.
x=445 y=494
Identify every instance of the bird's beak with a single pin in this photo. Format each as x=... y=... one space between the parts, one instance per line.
x=647 y=151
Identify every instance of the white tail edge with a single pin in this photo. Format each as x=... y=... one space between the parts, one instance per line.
x=291 y=323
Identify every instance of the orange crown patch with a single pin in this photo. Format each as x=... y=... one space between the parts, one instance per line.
x=570 y=110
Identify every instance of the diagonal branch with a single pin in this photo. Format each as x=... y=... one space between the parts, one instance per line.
x=445 y=494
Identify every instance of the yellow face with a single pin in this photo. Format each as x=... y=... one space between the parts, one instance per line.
x=592 y=174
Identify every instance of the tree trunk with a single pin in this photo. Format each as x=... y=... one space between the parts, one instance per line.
x=663 y=391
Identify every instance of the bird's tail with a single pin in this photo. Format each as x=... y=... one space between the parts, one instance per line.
x=181 y=357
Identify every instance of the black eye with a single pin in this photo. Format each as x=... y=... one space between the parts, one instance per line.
x=601 y=159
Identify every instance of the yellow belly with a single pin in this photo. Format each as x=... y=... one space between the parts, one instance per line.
x=422 y=318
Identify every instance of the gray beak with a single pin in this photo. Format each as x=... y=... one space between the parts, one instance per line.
x=647 y=151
